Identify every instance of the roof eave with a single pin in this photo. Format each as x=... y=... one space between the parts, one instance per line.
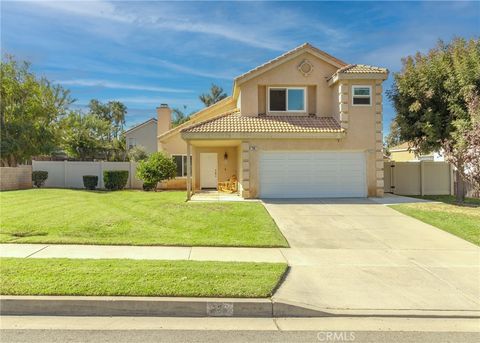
x=192 y=117
x=356 y=76
x=140 y=125
x=285 y=58
x=262 y=135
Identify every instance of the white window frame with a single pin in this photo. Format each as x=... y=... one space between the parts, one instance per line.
x=134 y=140
x=184 y=166
x=362 y=96
x=286 y=99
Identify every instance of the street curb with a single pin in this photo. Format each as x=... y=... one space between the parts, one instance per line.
x=100 y=306
x=134 y=306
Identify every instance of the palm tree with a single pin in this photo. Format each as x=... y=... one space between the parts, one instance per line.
x=216 y=94
x=180 y=116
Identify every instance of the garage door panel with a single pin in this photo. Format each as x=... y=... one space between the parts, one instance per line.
x=312 y=174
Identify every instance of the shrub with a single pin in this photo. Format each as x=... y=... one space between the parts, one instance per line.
x=39 y=177
x=147 y=186
x=157 y=168
x=137 y=153
x=115 y=179
x=90 y=181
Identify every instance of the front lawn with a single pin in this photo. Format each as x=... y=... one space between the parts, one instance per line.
x=138 y=278
x=132 y=218
x=461 y=220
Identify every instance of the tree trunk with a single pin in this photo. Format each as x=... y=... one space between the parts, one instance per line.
x=460 y=191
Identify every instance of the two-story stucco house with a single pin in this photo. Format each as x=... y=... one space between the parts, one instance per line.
x=304 y=124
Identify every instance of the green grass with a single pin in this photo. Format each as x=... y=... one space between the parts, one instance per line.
x=461 y=220
x=448 y=199
x=65 y=216
x=138 y=278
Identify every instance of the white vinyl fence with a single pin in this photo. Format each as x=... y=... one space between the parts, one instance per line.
x=67 y=174
x=418 y=178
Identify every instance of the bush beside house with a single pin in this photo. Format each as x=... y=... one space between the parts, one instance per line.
x=115 y=179
x=90 y=181
x=157 y=168
x=39 y=177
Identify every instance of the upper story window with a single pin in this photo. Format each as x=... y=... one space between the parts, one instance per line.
x=286 y=99
x=361 y=95
x=131 y=143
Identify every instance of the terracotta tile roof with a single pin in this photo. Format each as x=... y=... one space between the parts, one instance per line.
x=361 y=69
x=234 y=122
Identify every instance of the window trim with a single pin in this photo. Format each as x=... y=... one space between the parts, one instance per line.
x=286 y=99
x=184 y=166
x=130 y=139
x=362 y=96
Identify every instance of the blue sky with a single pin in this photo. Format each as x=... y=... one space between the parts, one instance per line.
x=147 y=53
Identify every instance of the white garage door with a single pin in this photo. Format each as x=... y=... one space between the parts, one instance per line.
x=312 y=174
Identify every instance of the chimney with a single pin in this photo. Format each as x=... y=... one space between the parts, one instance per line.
x=164 y=119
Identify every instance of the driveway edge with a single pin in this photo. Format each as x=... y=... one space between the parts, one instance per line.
x=193 y=307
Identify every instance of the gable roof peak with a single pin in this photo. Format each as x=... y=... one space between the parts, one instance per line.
x=286 y=56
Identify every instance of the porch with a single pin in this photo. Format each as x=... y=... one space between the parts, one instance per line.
x=213 y=195
x=214 y=170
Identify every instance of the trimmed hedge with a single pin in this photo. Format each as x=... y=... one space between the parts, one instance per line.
x=39 y=177
x=90 y=181
x=115 y=179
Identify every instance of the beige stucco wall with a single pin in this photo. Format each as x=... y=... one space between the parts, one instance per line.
x=402 y=156
x=174 y=146
x=145 y=136
x=287 y=74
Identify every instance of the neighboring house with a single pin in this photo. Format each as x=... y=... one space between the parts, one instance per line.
x=144 y=134
x=404 y=153
x=304 y=124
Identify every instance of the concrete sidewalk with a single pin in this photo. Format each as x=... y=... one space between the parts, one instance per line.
x=272 y=255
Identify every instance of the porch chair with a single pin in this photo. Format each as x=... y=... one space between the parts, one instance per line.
x=229 y=186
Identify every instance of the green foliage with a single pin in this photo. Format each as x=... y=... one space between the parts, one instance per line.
x=39 y=177
x=436 y=98
x=30 y=108
x=137 y=153
x=115 y=179
x=97 y=134
x=157 y=168
x=430 y=93
x=180 y=116
x=90 y=181
x=84 y=136
x=216 y=94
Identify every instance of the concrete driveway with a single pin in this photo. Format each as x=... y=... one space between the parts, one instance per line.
x=359 y=255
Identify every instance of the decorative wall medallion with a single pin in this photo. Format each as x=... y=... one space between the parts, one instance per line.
x=305 y=67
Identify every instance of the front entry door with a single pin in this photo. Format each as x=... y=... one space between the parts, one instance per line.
x=208 y=170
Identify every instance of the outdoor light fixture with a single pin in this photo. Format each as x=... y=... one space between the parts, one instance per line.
x=225 y=156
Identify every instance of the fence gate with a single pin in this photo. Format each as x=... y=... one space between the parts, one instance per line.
x=418 y=178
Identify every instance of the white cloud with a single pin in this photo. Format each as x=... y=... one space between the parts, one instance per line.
x=191 y=71
x=119 y=85
x=165 y=16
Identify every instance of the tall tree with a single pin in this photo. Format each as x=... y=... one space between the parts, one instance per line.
x=431 y=96
x=216 y=94
x=84 y=136
x=30 y=109
x=180 y=116
x=114 y=113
